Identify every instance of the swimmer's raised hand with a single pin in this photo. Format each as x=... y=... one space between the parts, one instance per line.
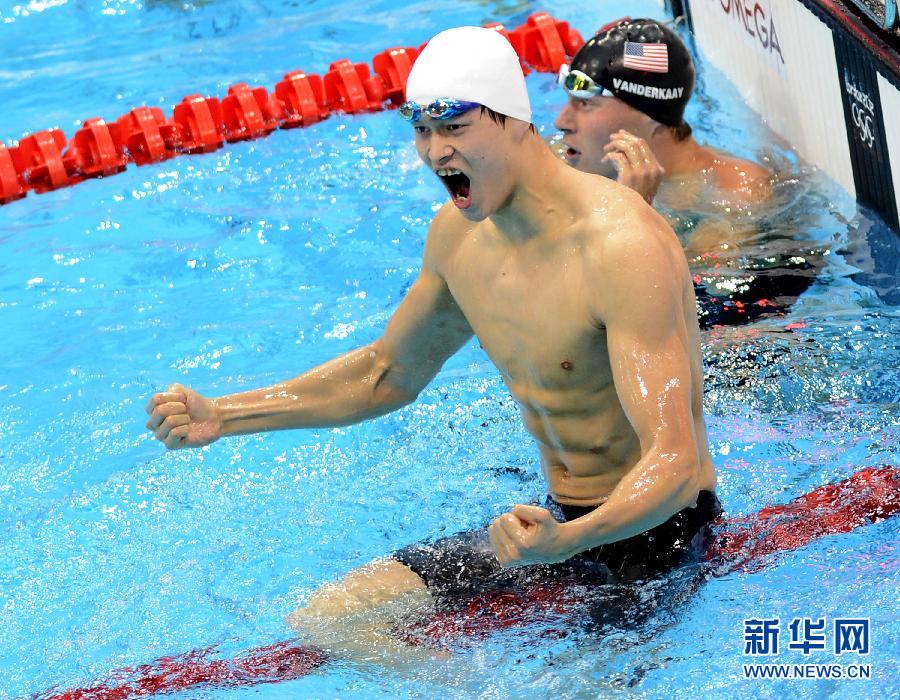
x=180 y=417
x=530 y=535
x=635 y=162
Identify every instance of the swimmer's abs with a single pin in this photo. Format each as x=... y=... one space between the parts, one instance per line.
x=584 y=458
x=574 y=481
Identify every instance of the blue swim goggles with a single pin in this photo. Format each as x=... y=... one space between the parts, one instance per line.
x=578 y=84
x=441 y=108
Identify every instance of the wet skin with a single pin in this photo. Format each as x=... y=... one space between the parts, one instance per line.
x=580 y=294
x=603 y=135
x=534 y=306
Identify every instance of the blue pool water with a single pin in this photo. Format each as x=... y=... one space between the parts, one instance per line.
x=246 y=266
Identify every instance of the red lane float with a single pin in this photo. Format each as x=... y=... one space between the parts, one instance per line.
x=44 y=166
x=302 y=99
x=393 y=67
x=198 y=121
x=743 y=544
x=545 y=43
x=249 y=113
x=98 y=149
x=12 y=185
x=146 y=135
x=46 y=160
x=268 y=664
x=350 y=88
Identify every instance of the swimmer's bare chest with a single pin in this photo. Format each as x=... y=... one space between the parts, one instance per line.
x=531 y=312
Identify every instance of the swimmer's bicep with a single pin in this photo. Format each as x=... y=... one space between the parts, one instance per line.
x=652 y=380
x=648 y=341
x=652 y=377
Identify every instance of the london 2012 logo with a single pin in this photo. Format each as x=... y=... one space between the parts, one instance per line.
x=862 y=110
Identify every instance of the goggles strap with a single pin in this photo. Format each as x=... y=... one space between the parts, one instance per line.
x=441 y=108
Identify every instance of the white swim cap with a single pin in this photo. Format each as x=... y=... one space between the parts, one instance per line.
x=472 y=64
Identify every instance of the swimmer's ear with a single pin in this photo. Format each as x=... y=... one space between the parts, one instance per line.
x=533 y=514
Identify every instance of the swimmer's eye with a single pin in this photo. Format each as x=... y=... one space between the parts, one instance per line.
x=444 y=127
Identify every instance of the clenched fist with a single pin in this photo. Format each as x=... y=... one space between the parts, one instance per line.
x=529 y=535
x=180 y=417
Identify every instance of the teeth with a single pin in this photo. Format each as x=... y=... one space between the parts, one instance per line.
x=445 y=172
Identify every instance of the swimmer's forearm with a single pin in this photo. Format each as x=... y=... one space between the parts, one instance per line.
x=651 y=493
x=346 y=390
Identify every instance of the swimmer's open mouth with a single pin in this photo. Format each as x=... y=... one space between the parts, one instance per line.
x=458 y=185
x=571 y=153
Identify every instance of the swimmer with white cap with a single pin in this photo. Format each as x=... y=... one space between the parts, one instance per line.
x=580 y=294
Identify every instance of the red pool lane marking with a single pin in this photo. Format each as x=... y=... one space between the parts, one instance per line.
x=870 y=495
x=739 y=544
x=494 y=611
x=282 y=661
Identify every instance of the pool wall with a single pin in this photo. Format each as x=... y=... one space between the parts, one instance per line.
x=823 y=81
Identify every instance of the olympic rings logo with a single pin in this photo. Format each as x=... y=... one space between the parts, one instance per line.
x=865 y=124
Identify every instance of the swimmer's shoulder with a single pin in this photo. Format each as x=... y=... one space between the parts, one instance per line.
x=613 y=209
x=622 y=227
x=746 y=181
x=632 y=259
x=598 y=203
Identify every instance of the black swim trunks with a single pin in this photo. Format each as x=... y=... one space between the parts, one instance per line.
x=465 y=563
x=761 y=288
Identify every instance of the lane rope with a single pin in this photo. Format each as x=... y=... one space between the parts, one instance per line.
x=47 y=160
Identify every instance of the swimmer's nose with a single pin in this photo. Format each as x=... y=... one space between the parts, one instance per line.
x=439 y=152
x=564 y=121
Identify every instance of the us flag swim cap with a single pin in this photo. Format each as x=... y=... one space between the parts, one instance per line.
x=644 y=64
